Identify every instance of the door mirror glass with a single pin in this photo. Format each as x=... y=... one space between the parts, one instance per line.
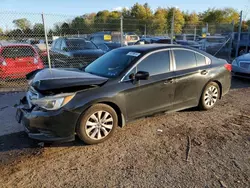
x=142 y=75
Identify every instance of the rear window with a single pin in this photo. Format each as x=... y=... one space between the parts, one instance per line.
x=78 y=44
x=18 y=51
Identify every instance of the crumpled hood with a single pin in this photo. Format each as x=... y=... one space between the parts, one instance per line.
x=51 y=79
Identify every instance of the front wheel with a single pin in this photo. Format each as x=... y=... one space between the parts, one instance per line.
x=97 y=124
x=209 y=96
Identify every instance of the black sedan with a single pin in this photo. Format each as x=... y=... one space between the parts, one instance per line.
x=122 y=85
x=73 y=52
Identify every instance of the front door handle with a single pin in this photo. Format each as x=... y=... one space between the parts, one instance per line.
x=204 y=72
x=169 y=81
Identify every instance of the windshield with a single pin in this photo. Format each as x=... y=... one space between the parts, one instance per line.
x=18 y=51
x=80 y=44
x=113 y=63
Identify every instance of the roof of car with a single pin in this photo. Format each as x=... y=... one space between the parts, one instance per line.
x=7 y=44
x=150 y=47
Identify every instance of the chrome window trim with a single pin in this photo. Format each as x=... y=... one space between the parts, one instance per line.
x=208 y=60
x=144 y=57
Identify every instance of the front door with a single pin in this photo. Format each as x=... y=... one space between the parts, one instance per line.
x=145 y=97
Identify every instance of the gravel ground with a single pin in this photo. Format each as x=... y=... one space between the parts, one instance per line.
x=150 y=152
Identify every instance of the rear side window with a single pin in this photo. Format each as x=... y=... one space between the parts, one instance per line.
x=184 y=59
x=157 y=63
x=200 y=59
x=18 y=51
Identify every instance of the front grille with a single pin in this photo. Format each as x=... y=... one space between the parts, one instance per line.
x=245 y=65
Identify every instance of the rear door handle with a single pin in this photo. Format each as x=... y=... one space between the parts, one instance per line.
x=169 y=81
x=204 y=72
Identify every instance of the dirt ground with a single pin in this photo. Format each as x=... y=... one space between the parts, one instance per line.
x=149 y=152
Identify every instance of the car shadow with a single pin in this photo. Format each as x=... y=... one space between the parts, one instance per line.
x=20 y=141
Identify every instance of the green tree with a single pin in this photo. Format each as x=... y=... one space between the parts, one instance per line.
x=1 y=31
x=22 y=24
x=179 y=20
x=160 y=21
x=219 y=16
x=79 y=25
x=38 y=29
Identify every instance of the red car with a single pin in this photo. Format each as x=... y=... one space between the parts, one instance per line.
x=17 y=60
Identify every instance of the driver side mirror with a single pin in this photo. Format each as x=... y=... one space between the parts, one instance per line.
x=141 y=75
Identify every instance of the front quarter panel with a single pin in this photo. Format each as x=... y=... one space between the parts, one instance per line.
x=110 y=92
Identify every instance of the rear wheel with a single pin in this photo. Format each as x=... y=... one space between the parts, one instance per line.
x=97 y=124
x=209 y=96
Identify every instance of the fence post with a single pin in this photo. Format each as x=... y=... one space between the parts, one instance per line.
x=46 y=41
x=172 y=28
x=231 y=42
x=248 y=35
x=121 y=30
x=206 y=29
x=239 y=33
x=145 y=31
x=195 y=33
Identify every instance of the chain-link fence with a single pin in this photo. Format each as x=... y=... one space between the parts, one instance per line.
x=30 y=41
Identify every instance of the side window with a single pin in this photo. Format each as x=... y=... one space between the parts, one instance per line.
x=157 y=63
x=200 y=59
x=184 y=59
x=58 y=44
x=63 y=45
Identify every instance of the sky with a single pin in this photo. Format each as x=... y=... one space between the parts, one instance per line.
x=67 y=9
x=79 y=7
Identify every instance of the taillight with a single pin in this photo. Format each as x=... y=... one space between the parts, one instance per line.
x=2 y=61
x=228 y=67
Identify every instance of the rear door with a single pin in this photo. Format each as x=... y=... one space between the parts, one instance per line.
x=191 y=75
x=19 y=59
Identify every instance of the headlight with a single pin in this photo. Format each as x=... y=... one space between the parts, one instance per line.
x=235 y=62
x=53 y=102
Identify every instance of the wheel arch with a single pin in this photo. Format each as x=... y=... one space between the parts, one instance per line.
x=120 y=114
x=215 y=81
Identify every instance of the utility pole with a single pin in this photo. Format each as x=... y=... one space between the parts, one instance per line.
x=172 y=28
x=239 y=33
x=46 y=41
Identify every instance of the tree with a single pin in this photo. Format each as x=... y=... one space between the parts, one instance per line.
x=22 y=24
x=179 y=20
x=38 y=29
x=218 y=16
x=160 y=21
x=1 y=31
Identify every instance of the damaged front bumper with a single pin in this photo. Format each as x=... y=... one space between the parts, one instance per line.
x=47 y=126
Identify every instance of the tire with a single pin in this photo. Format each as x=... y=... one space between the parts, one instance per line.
x=97 y=124
x=210 y=96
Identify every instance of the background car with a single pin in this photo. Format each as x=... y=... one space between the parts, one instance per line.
x=73 y=52
x=108 y=46
x=193 y=44
x=42 y=51
x=17 y=60
x=243 y=43
x=188 y=37
x=212 y=44
x=154 y=40
x=241 y=66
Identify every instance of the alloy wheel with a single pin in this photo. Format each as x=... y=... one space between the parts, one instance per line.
x=211 y=96
x=99 y=125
